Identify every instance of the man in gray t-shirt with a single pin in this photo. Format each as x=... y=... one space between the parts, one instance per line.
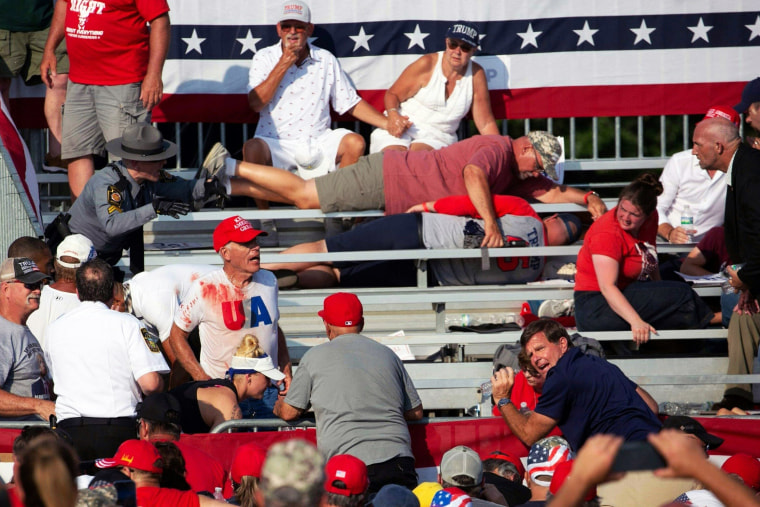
x=361 y=395
x=24 y=375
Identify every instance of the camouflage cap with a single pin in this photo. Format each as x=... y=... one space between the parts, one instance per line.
x=101 y=496
x=548 y=149
x=295 y=463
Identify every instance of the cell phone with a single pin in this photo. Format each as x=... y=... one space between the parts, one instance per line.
x=639 y=455
x=126 y=494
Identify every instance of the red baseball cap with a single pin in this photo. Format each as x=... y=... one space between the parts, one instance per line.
x=342 y=309
x=137 y=454
x=350 y=471
x=725 y=112
x=248 y=460
x=236 y=229
x=746 y=467
x=560 y=475
x=505 y=456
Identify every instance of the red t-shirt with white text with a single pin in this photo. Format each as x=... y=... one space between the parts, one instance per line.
x=107 y=40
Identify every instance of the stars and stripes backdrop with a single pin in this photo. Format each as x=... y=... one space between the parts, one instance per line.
x=543 y=58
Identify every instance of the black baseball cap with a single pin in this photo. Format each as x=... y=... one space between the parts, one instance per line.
x=692 y=427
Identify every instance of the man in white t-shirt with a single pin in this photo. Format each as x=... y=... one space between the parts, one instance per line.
x=154 y=296
x=292 y=85
x=228 y=303
x=102 y=363
x=61 y=296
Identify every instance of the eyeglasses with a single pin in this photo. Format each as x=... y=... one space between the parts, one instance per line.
x=29 y=286
x=298 y=27
x=453 y=44
x=539 y=169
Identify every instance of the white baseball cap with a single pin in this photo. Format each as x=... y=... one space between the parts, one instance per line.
x=295 y=10
x=77 y=246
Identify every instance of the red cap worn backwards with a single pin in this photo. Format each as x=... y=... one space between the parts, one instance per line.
x=236 y=229
x=725 y=112
x=505 y=456
x=350 y=471
x=342 y=309
x=137 y=454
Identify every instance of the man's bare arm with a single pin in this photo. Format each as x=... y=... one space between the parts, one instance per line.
x=476 y=183
x=151 y=383
x=286 y=412
x=694 y=263
x=414 y=414
x=184 y=354
x=56 y=33
x=364 y=111
x=263 y=94
x=564 y=193
x=283 y=360
x=152 y=88
x=12 y=405
x=527 y=427
x=530 y=427
x=651 y=402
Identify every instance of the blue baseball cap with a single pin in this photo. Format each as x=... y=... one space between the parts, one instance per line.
x=464 y=31
x=750 y=95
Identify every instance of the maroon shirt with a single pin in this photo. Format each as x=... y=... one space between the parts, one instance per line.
x=413 y=177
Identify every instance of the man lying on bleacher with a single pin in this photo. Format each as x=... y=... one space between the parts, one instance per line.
x=479 y=167
x=451 y=222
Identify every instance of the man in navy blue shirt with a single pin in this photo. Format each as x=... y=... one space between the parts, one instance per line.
x=583 y=395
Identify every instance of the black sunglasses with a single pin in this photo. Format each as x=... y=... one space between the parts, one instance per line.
x=453 y=44
x=29 y=286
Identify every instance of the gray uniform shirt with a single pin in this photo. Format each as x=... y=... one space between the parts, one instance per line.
x=23 y=370
x=110 y=207
x=359 y=390
x=447 y=231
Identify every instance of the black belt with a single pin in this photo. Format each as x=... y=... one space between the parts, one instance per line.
x=105 y=421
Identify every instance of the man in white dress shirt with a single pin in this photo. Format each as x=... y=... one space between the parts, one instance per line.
x=102 y=363
x=292 y=85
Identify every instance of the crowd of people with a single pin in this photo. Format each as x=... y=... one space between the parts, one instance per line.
x=120 y=369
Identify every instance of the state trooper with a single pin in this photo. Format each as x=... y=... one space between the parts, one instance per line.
x=118 y=200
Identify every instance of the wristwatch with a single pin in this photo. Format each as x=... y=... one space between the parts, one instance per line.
x=502 y=402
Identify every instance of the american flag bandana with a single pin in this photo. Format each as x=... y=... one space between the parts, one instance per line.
x=446 y=497
x=544 y=457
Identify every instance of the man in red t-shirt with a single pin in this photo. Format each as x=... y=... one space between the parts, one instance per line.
x=116 y=61
x=394 y=181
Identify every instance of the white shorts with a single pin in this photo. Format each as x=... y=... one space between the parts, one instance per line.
x=381 y=139
x=285 y=152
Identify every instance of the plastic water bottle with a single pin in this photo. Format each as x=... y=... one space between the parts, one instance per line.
x=218 y=494
x=726 y=287
x=687 y=222
x=467 y=319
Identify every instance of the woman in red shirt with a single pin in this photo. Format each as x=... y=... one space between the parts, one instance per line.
x=617 y=284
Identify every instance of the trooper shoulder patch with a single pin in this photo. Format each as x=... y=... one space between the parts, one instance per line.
x=165 y=176
x=150 y=340
x=113 y=196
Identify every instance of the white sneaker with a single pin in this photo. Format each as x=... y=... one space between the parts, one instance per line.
x=272 y=238
x=215 y=160
x=557 y=308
